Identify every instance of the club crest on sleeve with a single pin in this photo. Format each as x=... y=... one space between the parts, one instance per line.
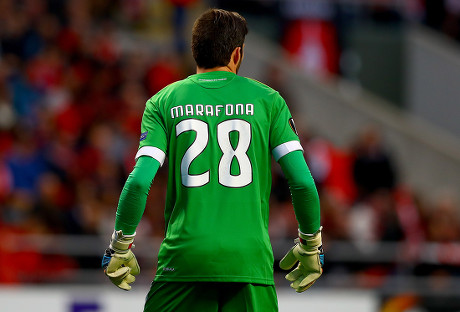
x=292 y=125
x=143 y=136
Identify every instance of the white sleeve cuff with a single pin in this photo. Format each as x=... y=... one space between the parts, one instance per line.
x=153 y=152
x=286 y=148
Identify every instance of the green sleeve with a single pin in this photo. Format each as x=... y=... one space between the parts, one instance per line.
x=133 y=198
x=305 y=197
x=281 y=129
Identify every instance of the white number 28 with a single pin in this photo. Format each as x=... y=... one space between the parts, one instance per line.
x=229 y=153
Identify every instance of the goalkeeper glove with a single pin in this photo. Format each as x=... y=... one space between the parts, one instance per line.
x=119 y=262
x=308 y=251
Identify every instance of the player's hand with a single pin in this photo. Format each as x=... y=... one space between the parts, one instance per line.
x=119 y=262
x=308 y=251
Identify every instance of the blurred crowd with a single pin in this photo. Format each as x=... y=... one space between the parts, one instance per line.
x=71 y=102
x=72 y=94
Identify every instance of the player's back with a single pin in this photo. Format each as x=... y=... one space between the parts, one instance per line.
x=219 y=132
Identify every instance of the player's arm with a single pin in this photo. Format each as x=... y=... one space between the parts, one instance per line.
x=287 y=150
x=133 y=197
x=305 y=199
x=119 y=262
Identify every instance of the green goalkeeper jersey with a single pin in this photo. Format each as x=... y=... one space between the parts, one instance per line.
x=218 y=131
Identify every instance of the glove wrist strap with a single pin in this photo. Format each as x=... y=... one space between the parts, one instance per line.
x=121 y=243
x=311 y=240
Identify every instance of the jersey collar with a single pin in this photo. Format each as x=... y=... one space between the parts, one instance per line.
x=213 y=80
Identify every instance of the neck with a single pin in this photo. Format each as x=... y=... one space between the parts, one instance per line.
x=200 y=70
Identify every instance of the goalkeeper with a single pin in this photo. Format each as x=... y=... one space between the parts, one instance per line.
x=219 y=132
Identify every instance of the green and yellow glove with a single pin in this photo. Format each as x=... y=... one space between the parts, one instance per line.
x=119 y=262
x=308 y=251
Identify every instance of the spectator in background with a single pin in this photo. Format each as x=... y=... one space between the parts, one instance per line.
x=374 y=219
x=310 y=36
x=25 y=160
x=179 y=20
x=374 y=216
x=443 y=224
x=373 y=168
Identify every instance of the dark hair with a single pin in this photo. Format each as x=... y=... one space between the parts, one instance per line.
x=216 y=33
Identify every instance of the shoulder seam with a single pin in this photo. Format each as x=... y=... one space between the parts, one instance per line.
x=261 y=83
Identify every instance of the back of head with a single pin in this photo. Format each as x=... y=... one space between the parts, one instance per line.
x=216 y=33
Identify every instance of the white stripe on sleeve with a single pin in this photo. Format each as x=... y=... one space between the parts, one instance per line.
x=153 y=152
x=286 y=148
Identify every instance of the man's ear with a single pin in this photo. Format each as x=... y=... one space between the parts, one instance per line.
x=237 y=55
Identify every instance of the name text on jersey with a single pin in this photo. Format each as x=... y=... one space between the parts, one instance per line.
x=212 y=110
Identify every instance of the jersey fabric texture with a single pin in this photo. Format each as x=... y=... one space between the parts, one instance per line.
x=218 y=131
